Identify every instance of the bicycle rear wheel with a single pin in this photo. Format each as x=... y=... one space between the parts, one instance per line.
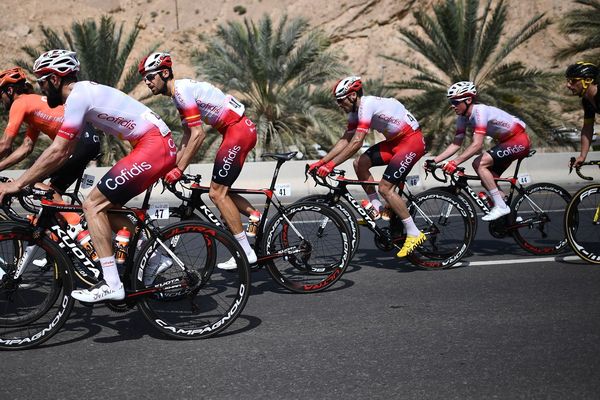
x=194 y=299
x=442 y=217
x=36 y=304
x=582 y=223
x=308 y=245
x=538 y=214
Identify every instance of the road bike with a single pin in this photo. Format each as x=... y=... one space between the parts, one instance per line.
x=189 y=299
x=582 y=218
x=305 y=246
x=535 y=220
x=438 y=214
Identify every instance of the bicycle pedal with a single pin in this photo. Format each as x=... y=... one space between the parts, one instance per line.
x=86 y=304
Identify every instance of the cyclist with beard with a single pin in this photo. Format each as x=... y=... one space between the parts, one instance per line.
x=402 y=148
x=199 y=102
x=508 y=131
x=26 y=107
x=582 y=80
x=116 y=114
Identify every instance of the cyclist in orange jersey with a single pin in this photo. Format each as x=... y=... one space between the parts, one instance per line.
x=26 y=107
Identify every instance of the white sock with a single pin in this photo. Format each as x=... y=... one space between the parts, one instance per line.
x=497 y=197
x=243 y=241
x=110 y=272
x=411 y=228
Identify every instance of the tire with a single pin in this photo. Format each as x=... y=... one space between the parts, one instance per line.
x=544 y=205
x=211 y=299
x=33 y=309
x=319 y=257
x=582 y=223
x=445 y=221
x=347 y=215
x=468 y=205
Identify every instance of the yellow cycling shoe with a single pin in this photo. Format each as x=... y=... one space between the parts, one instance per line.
x=410 y=244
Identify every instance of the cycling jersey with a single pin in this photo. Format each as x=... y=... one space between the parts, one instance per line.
x=490 y=121
x=385 y=115
x=33 y=110
x=110 y=110
x=199 y=102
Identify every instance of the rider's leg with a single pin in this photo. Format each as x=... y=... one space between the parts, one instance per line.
x=242 y=204
x=483 y=166
x=219 y=196
x=362 y=166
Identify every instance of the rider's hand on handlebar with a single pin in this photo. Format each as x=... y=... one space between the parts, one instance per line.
x=575 y=163
x=429 y=165
x=326 y=169
x=173 y=176
x=315 y=166
x=450 y=167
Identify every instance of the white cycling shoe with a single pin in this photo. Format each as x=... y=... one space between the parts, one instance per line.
x=99 y=292
x=156 y=265
x=495 y=213
x=231 y=264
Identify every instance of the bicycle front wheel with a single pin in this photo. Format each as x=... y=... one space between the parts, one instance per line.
x=582 y=223
x=35 y=297
x=444 y=220
x=185 y=295
x=308 y=247
x=538 y=215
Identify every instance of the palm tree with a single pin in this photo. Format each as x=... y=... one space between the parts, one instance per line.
x=584 y=23
x=278 y=71
x=463 y=42
x=103 y=50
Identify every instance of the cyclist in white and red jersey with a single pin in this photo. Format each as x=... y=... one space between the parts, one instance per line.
x=32 y=110
x=402 y=148
x=507 y=130
x=582 y=80
x=116 y=114
x=199 y=102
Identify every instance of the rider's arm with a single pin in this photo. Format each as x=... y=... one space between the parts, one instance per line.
x=338 y=147
x=190 y=143
x=587 y=132
x=450 y=150
x=19 y=154
x=474 y=148
x=6 y=146
x=354 y=142
x=49 y=161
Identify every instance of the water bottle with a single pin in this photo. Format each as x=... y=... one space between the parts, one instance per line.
x=85 y=240
x=121 y=245
x=253 y=221
x=370 y=209
x=486 y=199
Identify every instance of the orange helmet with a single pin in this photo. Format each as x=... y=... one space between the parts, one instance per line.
x=13 y=75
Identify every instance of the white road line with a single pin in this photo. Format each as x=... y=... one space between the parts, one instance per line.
x=520 y=261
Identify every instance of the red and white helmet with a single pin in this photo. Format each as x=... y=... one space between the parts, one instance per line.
x=346 y=86
x=154 y=62
x=462 y=90
x=59 y=62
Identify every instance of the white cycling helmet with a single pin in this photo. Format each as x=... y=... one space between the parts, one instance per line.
x=59 y=62
x=462 y=90
x=154 y=62
x=346 y=86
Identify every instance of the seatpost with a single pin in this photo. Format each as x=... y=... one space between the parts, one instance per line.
x=276 y=173
x=146 y=201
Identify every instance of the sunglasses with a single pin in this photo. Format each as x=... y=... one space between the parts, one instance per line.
x=456 y=102
x=572 y=81
x=150 y=77
x=340 y=101
x=43 y=78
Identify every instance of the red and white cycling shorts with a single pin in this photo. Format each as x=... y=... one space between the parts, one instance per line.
x=399 y=154
x=238 y=140
x=151 y=158
x=503 y=154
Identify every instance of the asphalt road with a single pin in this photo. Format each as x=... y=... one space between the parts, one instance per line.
x=507 y=325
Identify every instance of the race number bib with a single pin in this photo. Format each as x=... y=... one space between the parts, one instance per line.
x=235 y=106
x=158 y=211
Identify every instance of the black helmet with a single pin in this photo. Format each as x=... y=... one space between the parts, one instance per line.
x=582 y=69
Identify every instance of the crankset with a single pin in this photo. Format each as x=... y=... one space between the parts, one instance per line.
x=498 y=229
x=385 y=241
